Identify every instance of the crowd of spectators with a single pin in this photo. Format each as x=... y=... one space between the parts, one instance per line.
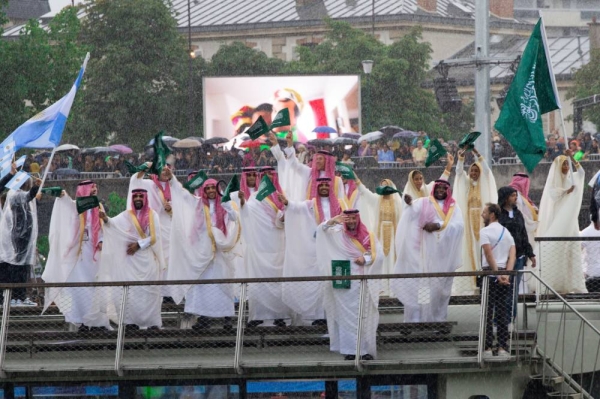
x=409 y=152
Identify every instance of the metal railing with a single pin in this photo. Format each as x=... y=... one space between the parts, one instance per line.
x=567 y=347
x=135 y=336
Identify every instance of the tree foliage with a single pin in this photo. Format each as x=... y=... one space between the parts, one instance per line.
x=587 y=83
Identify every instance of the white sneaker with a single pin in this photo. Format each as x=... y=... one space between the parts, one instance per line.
x=13 y=302
x=488 y=354
x=18 y=303
x=29 y=302
x=503 y=353
x=511 y=327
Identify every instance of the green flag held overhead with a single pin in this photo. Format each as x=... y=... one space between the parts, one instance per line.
x=435 y=152
x=53 y=191
x=386 y=190
x=85 y=203
x=195 y=182
x=258 y=128
x=346 y=170
x=132 y=169
x=281 y=119
x=233 y=186
x=265 y=188
x=161 y=152
x=468 y=142
x=532 y=93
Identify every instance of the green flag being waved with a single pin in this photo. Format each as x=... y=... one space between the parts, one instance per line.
x=161 y=152
x=435 y=152
x=195 y=182
x=265 y=188
x=258 y=128
x=281 y=119
x=346 y=170
x=132 y=169
x=532 y=93
x=233 y=186
x=53 y=191
x=85 y=203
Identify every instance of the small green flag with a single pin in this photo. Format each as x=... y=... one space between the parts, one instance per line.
x=281 y=119
x=346 y=170
x=195 y=182
x=233 y=186
x=340 y=268
x=161 y=152
x=436 y=151
x=53 y=191
x=468 y=141
x=258 y=128
x=532 y=93
x=265 y=188
x=135 y=169
x=386 y=190
x=85 y=203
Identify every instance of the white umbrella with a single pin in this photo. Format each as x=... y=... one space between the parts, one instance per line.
x=67 y=147
x=371 y=136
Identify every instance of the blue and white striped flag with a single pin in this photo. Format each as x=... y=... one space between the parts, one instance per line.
x=21 y=161
x=17 y=181
x=8 y=147
x=46 y=128
x=5 y=167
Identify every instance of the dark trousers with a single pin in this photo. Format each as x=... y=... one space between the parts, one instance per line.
x=14 y=274
x=515 y=283
x=592 y=284
x=498 y=307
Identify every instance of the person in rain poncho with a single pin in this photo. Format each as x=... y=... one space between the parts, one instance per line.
x=472 y=191
x=204 y=234
x=345 y=237
x=301 y=221
x=159 y=197
x=131 y=251
x=381 y=213
x=560 y=263
x=428 y=240
x=263 y=233
x=74 y=256
x=300 y=181
x=415 y=185
x=18 y=236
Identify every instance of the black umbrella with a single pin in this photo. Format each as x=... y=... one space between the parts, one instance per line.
x=320 y=142
x=406 y=134
x=344 y=141
x=390 y=130
x=100 y=150
x=216 y=140
x=354 y=136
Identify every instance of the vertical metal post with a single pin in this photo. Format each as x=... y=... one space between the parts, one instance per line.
x=483 y=319
x=4 y=328
x=482 y=79
x=361 y=308
x=239 y=342
x=373 y=17
x=191 y=74
x=538 y=282
x=121 y=332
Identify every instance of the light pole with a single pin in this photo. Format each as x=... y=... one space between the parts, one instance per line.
x=367 y=68
x=191 y=56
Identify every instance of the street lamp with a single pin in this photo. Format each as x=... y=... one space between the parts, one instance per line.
x=367 y=68
x=191 y=57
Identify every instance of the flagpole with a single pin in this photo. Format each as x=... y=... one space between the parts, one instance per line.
x=47 y=169
x=555 y=89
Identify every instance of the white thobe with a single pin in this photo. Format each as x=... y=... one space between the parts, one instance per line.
x=342 y=305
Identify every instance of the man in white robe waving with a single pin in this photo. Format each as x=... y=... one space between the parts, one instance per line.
x=204 y=233
x=74 y=256
x=428 y=240
x=301 y=221
x=132 y=251
x=346 y=238
x=263 y=234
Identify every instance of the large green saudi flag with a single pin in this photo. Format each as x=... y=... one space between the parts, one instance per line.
x=532 y=93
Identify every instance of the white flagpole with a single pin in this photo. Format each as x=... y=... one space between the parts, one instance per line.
x=47 y=169
x=554 y=88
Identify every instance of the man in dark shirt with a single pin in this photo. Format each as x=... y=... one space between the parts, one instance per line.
x=512 y=218
x=553 y=149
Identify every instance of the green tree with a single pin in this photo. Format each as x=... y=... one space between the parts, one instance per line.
x=238 y=59
x=587 y=83
x=135 y=74
x=38 y=68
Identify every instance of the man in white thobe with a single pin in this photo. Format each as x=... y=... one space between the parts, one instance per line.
x=263 y=233
x=301 y=221
x=132 y=251
x=345 y=238
x=428 y=240
x=74 y=256
x=204 y=233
